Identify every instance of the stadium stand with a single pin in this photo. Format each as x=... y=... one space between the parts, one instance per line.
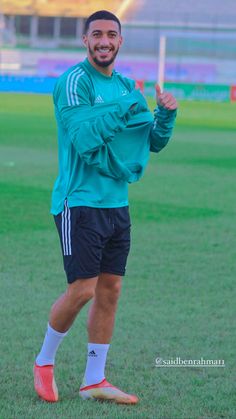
x=70 y=8
x=44 y=37
x=209 y=12
x=175 y=11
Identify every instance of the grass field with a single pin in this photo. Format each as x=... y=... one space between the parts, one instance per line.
x=178 y=297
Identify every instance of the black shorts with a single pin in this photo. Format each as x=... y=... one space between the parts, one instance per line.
x=94 y=240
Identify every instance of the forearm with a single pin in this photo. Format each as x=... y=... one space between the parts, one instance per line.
x=161 y=131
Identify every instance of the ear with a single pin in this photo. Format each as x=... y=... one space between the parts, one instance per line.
x=85 y=40
x=121 y=40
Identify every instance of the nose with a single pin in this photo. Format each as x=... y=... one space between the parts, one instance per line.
x=104 y=40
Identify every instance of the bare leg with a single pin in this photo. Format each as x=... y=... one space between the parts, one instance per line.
x=100 y=327
x=69 y=304
x=102 y=312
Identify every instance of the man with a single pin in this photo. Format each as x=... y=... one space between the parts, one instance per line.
x=105 y=134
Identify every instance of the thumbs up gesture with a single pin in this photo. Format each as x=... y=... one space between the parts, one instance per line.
x=165 y=99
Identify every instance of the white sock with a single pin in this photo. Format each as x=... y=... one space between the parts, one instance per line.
x=96 y=361
x=51 y=343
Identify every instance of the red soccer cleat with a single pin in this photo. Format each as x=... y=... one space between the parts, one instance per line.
x=44 y=383
x=106 y=391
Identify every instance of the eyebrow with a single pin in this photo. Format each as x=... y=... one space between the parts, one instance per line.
x=99 y=31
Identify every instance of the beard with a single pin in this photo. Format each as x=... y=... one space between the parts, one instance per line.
x=103 y=63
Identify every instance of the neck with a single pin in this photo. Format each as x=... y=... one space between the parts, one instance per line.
x=107 y=71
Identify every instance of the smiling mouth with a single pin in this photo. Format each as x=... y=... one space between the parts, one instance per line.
x=104 y=50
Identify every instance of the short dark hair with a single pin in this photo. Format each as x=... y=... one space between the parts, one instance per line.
x=101 y=15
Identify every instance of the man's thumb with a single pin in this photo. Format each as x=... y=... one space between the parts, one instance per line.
x=158 y=90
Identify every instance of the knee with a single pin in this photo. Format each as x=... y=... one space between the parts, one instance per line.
x=80 y=295
x=116 y=289
x=112 y=292
x=85 y=295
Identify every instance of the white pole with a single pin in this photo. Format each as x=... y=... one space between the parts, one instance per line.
x=162 y=57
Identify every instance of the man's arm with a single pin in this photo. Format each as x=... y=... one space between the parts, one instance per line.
x=164 y=119
x=91 y=130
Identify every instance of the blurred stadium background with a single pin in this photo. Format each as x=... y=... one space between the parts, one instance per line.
x=41 y=38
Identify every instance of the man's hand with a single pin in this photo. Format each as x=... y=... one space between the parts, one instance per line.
x=165 y=99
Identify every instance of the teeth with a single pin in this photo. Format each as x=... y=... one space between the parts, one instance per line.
x=103 y=49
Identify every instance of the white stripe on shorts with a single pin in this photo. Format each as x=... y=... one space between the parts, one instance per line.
x=66 y=231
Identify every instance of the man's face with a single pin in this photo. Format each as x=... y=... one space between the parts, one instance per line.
x=103 y=41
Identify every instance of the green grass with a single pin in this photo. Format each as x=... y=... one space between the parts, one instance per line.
x=177 y=298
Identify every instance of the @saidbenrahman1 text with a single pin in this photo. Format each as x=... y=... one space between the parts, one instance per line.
x=179 y=362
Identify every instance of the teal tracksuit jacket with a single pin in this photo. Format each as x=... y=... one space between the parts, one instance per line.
x=105 y=135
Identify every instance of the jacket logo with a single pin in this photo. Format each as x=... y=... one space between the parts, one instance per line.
x=99 y=99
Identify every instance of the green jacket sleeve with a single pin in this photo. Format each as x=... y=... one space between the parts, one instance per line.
x=161 y=131
x=91 y=130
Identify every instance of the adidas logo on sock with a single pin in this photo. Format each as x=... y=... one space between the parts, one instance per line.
x=99 y=99
x=92 y=353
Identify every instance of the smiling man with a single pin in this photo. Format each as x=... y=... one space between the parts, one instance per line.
x=103 y=44
x=105 y=135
